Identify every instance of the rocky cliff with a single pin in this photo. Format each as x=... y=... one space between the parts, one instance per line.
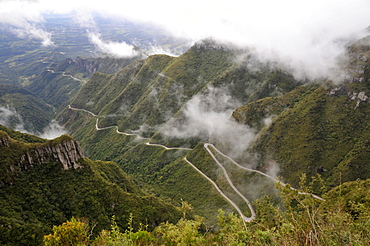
x=67 y=152
x=88 y=65
x=18 y=155
x=4 y=139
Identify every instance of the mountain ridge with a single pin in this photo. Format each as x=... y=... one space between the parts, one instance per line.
x=58 y=182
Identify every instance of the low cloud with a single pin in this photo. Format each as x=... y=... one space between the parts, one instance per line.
x=11 y=119
x=24 y=19
x=53 y=130
x=306 y=37
x=208 y=116
x=33 y=32
x=115 y=49
x=158 y=50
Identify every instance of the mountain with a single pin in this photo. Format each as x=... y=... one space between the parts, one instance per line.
x=46 y=182
x=210 y=127
x=151 y=91
x=317 y=129
x=286 y=127
x=22 y=110
x=149 y=94
x=60 y=81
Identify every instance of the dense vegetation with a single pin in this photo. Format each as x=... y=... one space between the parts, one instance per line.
x=23 y=109
x=317 y=129
x=34 y=199
x=342 y=219
x=148 y=93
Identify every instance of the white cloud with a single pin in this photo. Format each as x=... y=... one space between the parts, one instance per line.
x=160 y=51
x=306 y=35
x=23 y=16
x=116 y=49
x=10 y=118
x=31 y=31
x=53 y=130
x=208 y=116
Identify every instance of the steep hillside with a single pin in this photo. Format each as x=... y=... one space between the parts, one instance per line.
x=153 y=90
x=46 y=182
x=59 y=82
x=153 y=98
x=22 y=110
x=317 y=130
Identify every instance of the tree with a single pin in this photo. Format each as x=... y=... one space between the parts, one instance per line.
x=70 y=233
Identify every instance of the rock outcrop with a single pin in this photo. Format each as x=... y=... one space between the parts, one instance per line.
x=67 y=152
x=88 y=65
x=4 y=140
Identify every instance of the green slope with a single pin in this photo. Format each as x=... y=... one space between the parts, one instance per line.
x=24 y=109
x=145 y=95
x=34 y=199
x=59 y=82
x=317 y=129
x=320 y=134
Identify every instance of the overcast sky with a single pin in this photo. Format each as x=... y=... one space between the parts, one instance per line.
x=296 y=31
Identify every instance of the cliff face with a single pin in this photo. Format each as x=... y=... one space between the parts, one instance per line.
x=88 y=65
x=67 y=152
x=4 y=140
x=19 y=155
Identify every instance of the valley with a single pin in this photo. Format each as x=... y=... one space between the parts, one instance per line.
x=207 y=148
x=124 y=131
x=247 y=219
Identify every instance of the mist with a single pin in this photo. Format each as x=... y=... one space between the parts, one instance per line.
x=13 y=120
x=208 y=117
x=114 y=49
x=25 y=19
x=305 y=37
x=53 y=130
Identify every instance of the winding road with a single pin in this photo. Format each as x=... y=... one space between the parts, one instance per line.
x=84 y=110
x=245 y=218
x=207 y=148
x=117 y=131
x=67 y=75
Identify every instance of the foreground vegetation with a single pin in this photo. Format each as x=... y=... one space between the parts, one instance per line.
x=342 y=219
